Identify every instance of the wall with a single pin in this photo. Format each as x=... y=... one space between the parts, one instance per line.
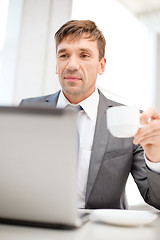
x=36 y=66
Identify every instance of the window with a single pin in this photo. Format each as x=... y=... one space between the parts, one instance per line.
x=10 y=22
x=3 y=22
x=129 y=51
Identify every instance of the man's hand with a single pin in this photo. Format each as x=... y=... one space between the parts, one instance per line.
x=149 y=135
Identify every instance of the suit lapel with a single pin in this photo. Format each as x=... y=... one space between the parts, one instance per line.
x=52 y=99
x=99 y=143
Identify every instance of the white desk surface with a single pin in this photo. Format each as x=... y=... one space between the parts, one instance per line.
x=89 y=231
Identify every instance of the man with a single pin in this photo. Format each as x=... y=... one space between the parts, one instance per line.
x=104 y=161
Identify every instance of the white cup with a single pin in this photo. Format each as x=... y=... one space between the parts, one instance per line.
x=123 y=121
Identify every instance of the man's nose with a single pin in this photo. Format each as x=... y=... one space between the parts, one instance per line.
x=73 y=64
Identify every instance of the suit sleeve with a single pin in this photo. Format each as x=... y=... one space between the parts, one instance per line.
x=148 y=182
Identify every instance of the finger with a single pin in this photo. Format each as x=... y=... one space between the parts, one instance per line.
x=151 y=113
x=150 y=141
x=148 y=128
x=141 y=136
x=153 y=138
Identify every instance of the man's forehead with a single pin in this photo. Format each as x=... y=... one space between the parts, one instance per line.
x=81 y=42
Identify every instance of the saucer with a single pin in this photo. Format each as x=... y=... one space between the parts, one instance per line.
x=123 y=217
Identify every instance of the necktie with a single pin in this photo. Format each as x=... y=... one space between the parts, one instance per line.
x=76 y=108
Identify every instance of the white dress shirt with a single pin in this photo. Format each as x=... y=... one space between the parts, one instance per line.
x=86 y=122
x=155 y=167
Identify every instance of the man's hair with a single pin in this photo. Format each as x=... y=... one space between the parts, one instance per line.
x=77 y=29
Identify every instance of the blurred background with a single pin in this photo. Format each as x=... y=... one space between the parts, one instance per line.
x=132 y=32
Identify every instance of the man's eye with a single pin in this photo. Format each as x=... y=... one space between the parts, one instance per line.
x=85 y=56
x=63 y=56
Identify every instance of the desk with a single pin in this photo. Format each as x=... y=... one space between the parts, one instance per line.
x=89 y=231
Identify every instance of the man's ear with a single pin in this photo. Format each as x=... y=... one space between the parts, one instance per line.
x=102 y=65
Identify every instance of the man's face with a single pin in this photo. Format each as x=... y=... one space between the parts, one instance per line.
x=78 y=65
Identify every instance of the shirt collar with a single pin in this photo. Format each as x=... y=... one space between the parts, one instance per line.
x=90 y=104
x=62 y=101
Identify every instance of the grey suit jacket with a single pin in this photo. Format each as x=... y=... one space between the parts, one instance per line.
x=112 y=159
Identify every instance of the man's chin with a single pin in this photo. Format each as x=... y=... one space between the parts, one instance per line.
x=72 y=91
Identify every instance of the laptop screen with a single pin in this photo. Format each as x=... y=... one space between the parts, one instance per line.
x=38 y=164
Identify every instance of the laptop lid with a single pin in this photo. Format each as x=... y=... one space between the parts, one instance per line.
x=38 y=165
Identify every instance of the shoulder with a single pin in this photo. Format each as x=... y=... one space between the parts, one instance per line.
x=108 y=101
x=51 y=98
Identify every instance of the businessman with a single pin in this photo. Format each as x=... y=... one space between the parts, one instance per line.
x=104 y=161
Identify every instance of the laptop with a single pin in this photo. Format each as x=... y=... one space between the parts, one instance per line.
x=38 y=167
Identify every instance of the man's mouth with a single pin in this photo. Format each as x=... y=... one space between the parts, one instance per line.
x=72 y=78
